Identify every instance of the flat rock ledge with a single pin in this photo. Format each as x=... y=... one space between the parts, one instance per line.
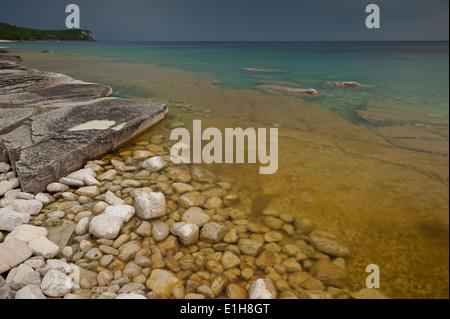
x=51 y=124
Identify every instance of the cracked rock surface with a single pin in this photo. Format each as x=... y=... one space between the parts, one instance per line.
x=51 y=124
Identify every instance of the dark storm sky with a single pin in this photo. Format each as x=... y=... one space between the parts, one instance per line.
x=237 y=20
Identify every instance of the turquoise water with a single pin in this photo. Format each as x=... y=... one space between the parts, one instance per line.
x=413 y=74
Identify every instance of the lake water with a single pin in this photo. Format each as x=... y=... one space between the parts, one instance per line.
x=381 y=185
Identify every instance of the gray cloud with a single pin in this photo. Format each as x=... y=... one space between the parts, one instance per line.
x=204 y=20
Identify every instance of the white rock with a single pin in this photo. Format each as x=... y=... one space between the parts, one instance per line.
x=117 y=163
x=91 y=181
x=113 y=200
x=56 y=213
x=44 y=199
x=263 y=289
x=187 y=232
x=57 y=187
x=95 y=167
x=27 y=233
x=130 y=296
x=71 y=182
x=100 y=207
x=82 y=226
x=6 y=186
x=56 y=284
x=181 y=188
x=12 y=253
x=89 y=191
x=81 y=174
x=105 y=226
x=10 y=175
x=124 y=212
x=42 y=246
x=55 y=264
x=24 y=195
x=68 y=252
x=12 y=194
x=196 y=215
x=4 y=167
x=154 y=164
x=35 y=262
x=10 y=219
x=69 y=196
x=22 y=276
x=160 y=231
x=108 y=175
x=30 y=207
x=213 y=232
x=150 y=205
x=30 y=292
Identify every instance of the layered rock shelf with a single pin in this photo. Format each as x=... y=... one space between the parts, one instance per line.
x=51 y=124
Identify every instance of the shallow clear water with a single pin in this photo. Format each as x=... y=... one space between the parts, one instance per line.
x=388 y=201
x=411 y=74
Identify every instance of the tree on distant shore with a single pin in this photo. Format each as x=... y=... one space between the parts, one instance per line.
x=10 y=32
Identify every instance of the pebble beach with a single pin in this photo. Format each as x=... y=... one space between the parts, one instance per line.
x=134 y=225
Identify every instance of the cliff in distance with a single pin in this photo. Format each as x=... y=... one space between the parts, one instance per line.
x=13 y=33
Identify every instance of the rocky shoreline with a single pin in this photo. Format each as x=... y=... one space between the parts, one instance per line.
x=132 y=224
x=146 y=228
x=51 y=124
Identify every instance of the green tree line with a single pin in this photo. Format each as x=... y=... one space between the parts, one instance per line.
x=10 y=32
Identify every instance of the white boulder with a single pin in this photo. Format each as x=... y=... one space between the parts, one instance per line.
x=150 y=205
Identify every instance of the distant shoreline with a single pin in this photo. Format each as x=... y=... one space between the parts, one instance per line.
x=18 y=41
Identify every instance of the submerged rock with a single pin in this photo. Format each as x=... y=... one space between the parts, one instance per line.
x=195 y=215
x=187 y=232
x=260 y=70
x=160 y=231
x=328 y=243
x=213 y=232
x=277 y=89
x=150 y=205
x=368 y=293
x=154 y=164
x=123 y=212
x=263 y=289
x=163 y=282
x=105 y=226
x=345 y=84
x=61 y=234
x=329 y=273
